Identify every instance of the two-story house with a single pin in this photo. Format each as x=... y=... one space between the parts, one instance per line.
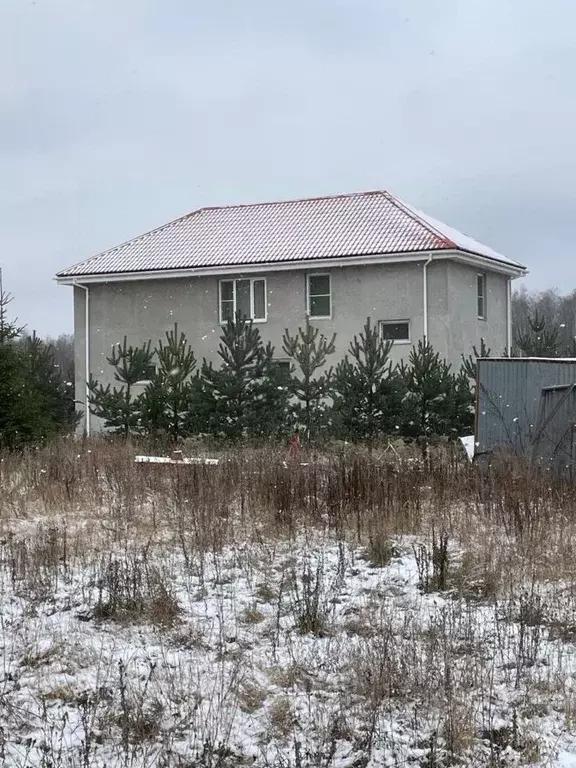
x=336 y=259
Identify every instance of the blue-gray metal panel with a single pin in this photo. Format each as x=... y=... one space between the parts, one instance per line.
x=509 y=399
x=555 y=441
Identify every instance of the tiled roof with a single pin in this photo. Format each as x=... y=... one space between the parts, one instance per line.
x=343 y=226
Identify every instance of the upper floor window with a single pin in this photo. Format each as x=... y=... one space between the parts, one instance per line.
x=246 y=296
x=481 y=295
x=319 y=296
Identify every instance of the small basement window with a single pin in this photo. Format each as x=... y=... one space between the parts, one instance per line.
x=246 y=296
x=319 y=296
x=481 y=295
x=397 y=331
x=283 y=366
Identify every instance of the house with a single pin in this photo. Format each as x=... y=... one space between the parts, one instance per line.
x=336 y=259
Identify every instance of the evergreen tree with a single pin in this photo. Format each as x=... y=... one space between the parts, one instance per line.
x=9 y=330
x=118 y=406
x=54 y=392
x=20 y=411
x=245 y=397
x=555 y=310
x=34 y=404
x=437 y=402
x=540 y=338
x=470 y=363
x=368 y=391
x=169 y=400
x=309 y=350
x=459 y=406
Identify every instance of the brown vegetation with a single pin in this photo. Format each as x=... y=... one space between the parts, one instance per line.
x=322 y=551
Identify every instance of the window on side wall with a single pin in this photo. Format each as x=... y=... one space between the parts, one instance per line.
x=246 y=296
x=397 y=331
x=319 y=296
x=481 y=295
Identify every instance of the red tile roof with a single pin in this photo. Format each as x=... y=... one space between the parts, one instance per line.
x=322 y=228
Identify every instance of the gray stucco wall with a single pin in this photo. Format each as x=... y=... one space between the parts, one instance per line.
x=146 y=309
x=455 y=327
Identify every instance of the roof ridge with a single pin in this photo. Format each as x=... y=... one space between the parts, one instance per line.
x=445 y=241
x=289 y=200
x=196 y=211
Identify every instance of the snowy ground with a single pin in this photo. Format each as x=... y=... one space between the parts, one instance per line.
x=293 y=650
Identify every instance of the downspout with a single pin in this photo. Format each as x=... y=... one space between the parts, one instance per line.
x=509 y=317
x=86 y=355
x=425 y=295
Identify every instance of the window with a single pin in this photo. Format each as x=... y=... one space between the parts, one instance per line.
x=148 y=376
x=397 y=331
x=319 y=296
x=283 y=366
x=246 y=296
x=481 y=291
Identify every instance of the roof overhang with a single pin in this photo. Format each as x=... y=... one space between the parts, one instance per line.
x=481 y=262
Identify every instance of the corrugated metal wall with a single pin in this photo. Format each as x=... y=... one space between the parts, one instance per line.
x=555 y=439
x=509 y=403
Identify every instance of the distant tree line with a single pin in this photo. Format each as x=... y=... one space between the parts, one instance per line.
x=544 y=323
x=36 y=394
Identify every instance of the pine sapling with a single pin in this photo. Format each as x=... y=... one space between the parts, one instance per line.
x=244 y=397
x=539 y=339
x=118 y=406
x=428 y=380
x=309 y=350
x=368 y=391
x=470 y=363
x=169 y=399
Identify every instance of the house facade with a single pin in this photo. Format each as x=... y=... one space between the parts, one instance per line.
x=336 y=260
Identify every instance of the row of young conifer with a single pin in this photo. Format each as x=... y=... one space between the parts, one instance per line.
x=163 y=390
x=247 y=394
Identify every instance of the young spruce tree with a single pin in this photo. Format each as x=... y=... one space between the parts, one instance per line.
x=309 y=350
x=368 y=391
x=245 y=396
x=118 y=406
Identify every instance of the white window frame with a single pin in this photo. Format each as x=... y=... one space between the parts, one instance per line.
x=252 y=280
x=308 y=295
x=282 y=361
x=382 y=323
x=481 y=276
x=145 y=382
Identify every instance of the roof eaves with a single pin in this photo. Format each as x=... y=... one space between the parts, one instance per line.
x=512 y=268
x=359 y=259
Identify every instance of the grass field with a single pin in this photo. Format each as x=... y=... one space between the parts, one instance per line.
x=355 y=611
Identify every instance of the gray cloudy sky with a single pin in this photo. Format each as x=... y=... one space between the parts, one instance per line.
x=117 y=115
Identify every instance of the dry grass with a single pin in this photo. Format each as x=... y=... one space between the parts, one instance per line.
x=360 y=609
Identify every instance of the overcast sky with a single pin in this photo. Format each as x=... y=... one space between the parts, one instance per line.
x=118 y=115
